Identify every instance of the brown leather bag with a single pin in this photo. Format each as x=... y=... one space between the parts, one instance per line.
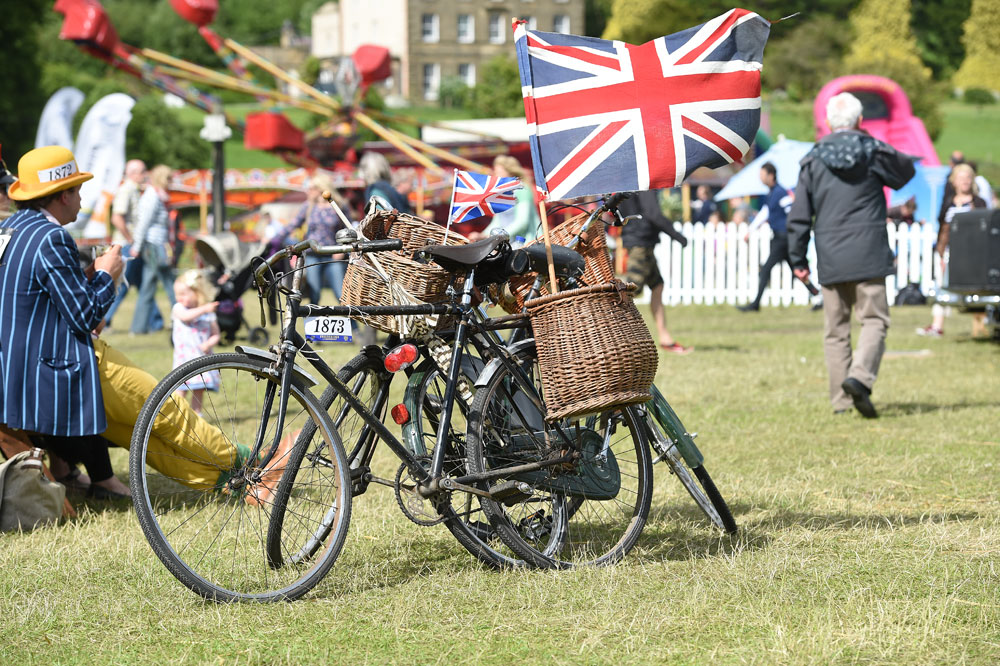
x=13 y=442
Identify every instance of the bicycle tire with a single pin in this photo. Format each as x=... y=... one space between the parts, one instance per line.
x=701 y=488
x=209 y=533
x=597 y=506
x=365 y=376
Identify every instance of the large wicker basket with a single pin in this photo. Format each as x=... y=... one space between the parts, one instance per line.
x=593 y=248
x=364 y=284
x=594 y=349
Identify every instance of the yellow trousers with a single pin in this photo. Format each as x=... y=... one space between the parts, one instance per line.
x=182 y=446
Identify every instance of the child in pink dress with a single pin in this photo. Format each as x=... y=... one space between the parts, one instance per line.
x=195 y=331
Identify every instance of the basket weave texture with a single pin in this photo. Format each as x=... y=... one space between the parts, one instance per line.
x=594 y=251
x=364 y=285
x=594 y=349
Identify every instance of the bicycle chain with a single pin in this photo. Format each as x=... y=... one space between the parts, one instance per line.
x=415 y=506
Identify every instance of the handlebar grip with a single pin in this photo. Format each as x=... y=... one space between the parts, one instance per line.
x=386 y=245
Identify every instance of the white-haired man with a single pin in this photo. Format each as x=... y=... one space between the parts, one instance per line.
x=840 y=198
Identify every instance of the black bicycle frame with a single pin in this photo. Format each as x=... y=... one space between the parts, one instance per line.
x=294 y=344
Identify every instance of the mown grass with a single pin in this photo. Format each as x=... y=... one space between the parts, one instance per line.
x=861 y=541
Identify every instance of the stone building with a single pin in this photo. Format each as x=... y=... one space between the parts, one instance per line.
x=430 y=40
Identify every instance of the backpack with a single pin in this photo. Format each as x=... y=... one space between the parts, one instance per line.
x=910 y=295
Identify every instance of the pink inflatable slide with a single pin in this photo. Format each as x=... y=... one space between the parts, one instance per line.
x=887 y=114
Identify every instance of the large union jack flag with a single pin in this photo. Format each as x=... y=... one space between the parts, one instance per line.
x=607 y=116
x=476 y=195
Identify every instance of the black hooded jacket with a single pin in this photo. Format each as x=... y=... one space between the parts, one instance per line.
x=646 y=232
x=840 y=198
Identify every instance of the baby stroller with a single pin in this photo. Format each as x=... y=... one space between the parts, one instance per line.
x=229 y=264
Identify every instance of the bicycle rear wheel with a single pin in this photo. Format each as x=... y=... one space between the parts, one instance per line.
x=463 y=514
x=205 y=502
x=584 y=512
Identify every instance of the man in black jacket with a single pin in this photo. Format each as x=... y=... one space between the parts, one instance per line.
x=840 y=198
x=639 y=237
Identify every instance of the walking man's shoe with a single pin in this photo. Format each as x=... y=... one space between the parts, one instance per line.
x=749 y=307
x=861 y=396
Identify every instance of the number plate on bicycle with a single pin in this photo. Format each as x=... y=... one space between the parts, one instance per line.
x=328 y=329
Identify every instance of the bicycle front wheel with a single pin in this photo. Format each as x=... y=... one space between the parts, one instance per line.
x=587 y=511
x=205 y=500
x=665 y=432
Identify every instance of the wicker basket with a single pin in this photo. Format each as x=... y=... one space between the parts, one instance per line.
x=594 y=250
x=594 y=349
x=413 y=231
x=364 y=284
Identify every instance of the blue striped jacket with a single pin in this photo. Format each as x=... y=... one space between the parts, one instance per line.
x=48 y=371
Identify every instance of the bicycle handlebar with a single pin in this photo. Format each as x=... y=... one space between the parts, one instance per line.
x=361 y=246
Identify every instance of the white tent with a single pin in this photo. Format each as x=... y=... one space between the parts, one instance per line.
x=785 y=155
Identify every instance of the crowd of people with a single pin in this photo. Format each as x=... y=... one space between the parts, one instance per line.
x=65 y=389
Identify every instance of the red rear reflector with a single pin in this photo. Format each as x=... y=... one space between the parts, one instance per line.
x=400 y=414
x=401 y=357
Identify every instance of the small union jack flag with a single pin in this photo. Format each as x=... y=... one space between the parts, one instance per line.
x=476 y=195
x=606 y=116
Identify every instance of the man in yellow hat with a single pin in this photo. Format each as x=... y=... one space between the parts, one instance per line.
x=49 y=382
x=59 y=381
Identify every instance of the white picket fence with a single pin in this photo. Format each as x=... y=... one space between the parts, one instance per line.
x=718 y=267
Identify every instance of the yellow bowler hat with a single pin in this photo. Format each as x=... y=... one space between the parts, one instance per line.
x=46 y=170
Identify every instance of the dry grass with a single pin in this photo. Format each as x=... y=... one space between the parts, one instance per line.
x=861 y=541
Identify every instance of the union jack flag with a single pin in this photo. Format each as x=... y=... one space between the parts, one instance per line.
x=476 y=195
x=606 y=116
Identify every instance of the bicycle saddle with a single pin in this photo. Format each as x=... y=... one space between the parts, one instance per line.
x=568 y=262
x=456 y=257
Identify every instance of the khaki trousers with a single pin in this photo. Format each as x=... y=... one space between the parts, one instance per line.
x=182 y=446
x=869 y=302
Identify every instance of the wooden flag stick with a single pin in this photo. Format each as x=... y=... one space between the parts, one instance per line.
x=554 y=288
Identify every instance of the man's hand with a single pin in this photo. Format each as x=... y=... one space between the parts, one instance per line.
x=111 y=262
x=802 y=274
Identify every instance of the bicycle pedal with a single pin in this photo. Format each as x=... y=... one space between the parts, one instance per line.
x=510 y=493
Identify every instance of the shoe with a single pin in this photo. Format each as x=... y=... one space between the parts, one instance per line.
x=930 y=332
x=860 y=394
x=74 y=486
x=263 y=491
x=839 y=412
x=677 y=348
x=817 y=307
x=749 y=307
x=102 y=493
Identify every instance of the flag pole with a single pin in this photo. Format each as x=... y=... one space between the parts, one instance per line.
x=451 y=204
x=554 y=286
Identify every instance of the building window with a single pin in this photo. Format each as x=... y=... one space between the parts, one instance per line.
x=531 y=22
x=429 y=28
x=560 y=23
x=497 y=32
x=432 y=81
x=467 y=72
x=466 y=29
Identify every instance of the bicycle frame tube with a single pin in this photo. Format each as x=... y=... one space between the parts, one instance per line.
x=670 y=422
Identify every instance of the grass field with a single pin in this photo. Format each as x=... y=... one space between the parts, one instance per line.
x=861 y=541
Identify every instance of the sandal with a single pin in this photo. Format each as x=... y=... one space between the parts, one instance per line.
x=73 y=483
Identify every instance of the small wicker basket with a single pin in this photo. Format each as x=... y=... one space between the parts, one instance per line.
x=594 y=250
x=365 y=285
x=594 y=349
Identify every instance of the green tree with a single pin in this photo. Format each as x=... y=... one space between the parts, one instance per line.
x=883 y=44
x=801 y=62
x=937 y=25
x=498 y=94
x=156 y=136
x=638 y=21
x=595 y=16
x=981 y=67
x=21 y=99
